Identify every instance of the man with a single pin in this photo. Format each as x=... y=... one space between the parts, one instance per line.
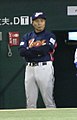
x=37 y=47
x=75 y=58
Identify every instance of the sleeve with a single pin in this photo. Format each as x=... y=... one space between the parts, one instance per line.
x=23 y=48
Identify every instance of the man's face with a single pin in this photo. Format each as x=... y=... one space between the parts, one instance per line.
x=39 y=24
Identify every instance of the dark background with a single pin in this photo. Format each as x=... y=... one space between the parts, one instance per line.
x=12 y=93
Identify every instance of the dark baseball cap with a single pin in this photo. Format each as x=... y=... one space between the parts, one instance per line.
x=38 y=15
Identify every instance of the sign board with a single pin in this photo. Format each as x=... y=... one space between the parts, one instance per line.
x=72 y=10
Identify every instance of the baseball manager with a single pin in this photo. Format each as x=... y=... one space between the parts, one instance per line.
x=37 y=47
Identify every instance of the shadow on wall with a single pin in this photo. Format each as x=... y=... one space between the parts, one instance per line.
x=65 y=91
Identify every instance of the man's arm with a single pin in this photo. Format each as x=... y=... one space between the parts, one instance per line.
x=45 y=48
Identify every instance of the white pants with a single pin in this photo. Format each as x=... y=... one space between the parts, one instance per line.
x=41 y=77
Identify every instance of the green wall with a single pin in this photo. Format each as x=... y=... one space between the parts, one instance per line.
x=12 y=93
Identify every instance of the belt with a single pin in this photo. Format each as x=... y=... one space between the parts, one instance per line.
x=37 y=63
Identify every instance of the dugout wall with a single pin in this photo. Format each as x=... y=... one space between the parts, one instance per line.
x=12 y=93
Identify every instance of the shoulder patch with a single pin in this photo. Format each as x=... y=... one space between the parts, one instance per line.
x=52 y=41
x=22 y=43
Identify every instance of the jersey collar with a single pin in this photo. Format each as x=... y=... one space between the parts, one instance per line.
x=39 y=32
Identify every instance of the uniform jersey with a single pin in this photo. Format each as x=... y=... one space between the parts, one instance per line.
x=37 y=47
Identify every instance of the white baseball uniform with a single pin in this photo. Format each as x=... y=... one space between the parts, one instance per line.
x=42 y=77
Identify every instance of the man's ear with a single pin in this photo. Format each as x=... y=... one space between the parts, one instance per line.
x=32 y=23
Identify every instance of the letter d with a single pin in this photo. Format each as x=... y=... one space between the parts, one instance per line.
x=16 y=20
